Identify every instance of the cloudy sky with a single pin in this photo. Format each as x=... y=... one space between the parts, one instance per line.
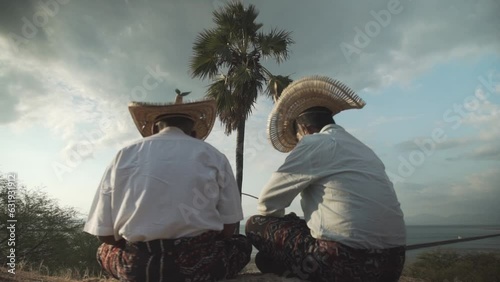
x=428 y=70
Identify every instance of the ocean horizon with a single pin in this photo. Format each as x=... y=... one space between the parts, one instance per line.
x=418 y=234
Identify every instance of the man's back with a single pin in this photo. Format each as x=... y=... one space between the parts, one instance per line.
x=346 y=195
x=351 y=201
x=170 y=185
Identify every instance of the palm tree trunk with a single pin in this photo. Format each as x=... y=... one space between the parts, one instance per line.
x=240 y=142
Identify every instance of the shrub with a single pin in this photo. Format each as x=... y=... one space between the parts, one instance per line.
x=445 y=265
x=47 y=234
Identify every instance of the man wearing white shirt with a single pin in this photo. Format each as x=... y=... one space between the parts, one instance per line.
x=353 y=227
x=168 y=204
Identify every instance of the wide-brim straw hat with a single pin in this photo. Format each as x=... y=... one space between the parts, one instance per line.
x=308 y=92
x=146 y=115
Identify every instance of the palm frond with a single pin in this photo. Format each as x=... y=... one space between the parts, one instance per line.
x=204 y=62
x=238 y=23
x=210 y=50
x=220 y=91
x=234 y=16
x=225 y=15
x=235 y=97
x=275 y=44
x=276 y=84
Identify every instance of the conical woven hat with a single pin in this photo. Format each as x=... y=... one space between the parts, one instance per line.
x=308 y=92
x=146 y=115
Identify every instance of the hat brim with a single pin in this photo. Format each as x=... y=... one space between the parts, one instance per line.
x=308 y=92
x=145 y=115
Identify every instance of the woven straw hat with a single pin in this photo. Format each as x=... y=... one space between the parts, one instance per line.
x=308 y=92
x=146 y=115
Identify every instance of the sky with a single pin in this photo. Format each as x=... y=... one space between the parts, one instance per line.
x=429 y=72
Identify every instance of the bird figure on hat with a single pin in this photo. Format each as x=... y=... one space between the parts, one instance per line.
x=178 y=98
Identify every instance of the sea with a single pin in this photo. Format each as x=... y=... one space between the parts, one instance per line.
x=418 y=234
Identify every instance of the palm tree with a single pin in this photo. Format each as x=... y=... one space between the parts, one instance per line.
x=230 y=56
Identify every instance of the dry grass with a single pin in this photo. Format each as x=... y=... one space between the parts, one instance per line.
x=249 y=274
x=40 y=274
x=32 y=276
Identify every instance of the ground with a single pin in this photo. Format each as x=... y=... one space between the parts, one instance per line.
x=249 y=274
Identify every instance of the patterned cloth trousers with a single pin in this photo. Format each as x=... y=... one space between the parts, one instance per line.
x=288 y=242
x=202 y=258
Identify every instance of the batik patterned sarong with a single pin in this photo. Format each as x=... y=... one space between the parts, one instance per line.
x=202 y=258
x=288 y=242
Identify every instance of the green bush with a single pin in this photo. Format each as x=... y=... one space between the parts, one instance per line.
x=451 y=266
x=48 y=235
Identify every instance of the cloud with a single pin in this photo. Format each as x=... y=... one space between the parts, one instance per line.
x=422 y=35
x=107 y=45
x=484 y=117
x=437 y=32
x=415 y=143
x=487 y=181
x=490 y=152
x=475 y=193
x=486 y=152
x=395 y=54
x=7 y=112
x=15 y=14
x=93 y=59
x=385 y=120
x=75 y=72
x=477 y=112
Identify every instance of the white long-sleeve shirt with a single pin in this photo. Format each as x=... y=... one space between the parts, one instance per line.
x=168 y=185
x=346 y=195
